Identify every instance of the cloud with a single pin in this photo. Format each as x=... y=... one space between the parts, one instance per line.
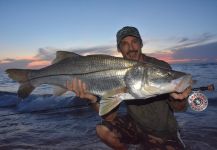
x=181 y=49
x=184 y=42
x=38 y=64
x=200 y=53
x=176 y=43
x=198 y=39
x=184 y=39
x=49 y=53
x=187 y=49
x=13 y=63
x=38 y=61
x=7 y=60
x=45 y=55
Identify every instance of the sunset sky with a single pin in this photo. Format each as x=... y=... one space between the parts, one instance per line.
x=31 y=31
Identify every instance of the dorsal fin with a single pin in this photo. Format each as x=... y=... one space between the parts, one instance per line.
x=60 y=55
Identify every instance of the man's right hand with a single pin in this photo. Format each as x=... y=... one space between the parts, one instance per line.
x=80 y=90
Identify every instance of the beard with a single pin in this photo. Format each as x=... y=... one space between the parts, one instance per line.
x=133 y=55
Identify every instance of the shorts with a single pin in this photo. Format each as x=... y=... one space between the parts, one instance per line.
x=128 y=132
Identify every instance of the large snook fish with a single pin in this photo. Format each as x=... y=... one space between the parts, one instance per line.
x=104 y=76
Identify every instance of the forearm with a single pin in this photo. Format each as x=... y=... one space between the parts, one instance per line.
x=177 y=105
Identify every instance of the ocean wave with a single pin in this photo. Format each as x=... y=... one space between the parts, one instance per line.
x=8 y=99
x=35 y=103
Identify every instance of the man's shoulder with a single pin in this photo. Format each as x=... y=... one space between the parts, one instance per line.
x=158 y=62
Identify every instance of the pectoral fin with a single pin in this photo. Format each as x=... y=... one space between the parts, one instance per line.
x=110 y=100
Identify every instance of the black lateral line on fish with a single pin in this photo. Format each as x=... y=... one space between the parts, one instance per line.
x=74 y=74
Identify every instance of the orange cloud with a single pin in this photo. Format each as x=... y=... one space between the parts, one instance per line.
x=38 y=64
x=167 y=56
x=173 y=61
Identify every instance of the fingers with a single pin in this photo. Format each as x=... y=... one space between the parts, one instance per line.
x=80 y=89
x=77 y=86
x=183 y=95
x=73 y=86
x=83 y=92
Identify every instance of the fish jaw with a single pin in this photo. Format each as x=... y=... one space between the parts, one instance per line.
x=182 y=83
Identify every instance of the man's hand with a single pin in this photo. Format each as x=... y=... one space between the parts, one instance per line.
x=80 y=90
x=181 y=96
x=178 y=101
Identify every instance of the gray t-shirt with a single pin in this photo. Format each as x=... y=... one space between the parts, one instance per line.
x=155 y=116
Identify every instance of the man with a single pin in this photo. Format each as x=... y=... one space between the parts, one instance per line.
x=150 y=123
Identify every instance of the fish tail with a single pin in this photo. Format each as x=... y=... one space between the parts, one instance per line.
x=25 y=89
x=21 y=76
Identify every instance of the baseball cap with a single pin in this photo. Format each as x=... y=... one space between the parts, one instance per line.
x=127 y=31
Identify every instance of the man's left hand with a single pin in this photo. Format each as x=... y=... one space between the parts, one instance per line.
x=181 y=96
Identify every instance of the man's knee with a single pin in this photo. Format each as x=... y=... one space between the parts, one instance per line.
x=109 y=138
x=102 y=131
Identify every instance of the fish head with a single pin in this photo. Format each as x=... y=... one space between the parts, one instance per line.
x=161 y=80
x=144 y=81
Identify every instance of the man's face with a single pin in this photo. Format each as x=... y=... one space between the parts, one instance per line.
x=130 y=47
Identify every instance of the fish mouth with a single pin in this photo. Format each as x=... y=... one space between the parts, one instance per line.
x=183 y=83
